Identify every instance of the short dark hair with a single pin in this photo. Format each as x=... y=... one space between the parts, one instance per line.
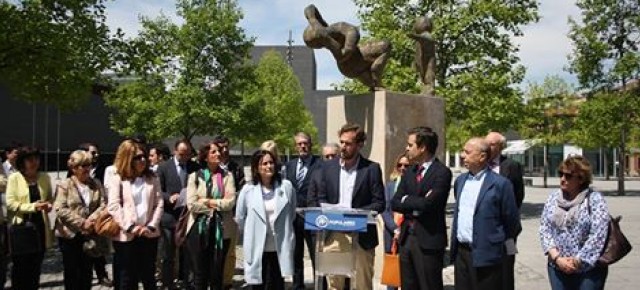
x=218 y=139
x=255 y=163
x=161 y=150
x=24 y=153
x=353 y=127
x=425 y=137
x=12 y=146
x=85 y=146
x=183 y=141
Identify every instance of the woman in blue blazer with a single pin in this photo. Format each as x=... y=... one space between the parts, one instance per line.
x=266 y=211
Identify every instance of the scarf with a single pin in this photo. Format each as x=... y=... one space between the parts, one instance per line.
x=566 y=211
x=215 y=192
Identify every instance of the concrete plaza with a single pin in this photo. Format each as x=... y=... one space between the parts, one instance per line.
x=531 y=271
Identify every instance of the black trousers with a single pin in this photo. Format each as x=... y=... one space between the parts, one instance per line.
x=99 y=265
x=298 y=255
x=25 y=273
x=468 y=277
x=420 y=268
x=135 y=263
x=207 y=262
x=271 y=274
x=508 y=266
x=77 y=265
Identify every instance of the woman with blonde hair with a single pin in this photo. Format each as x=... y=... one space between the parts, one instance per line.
x=136 y=204
x=573 y=229
x=211 y=195
x=79 y=201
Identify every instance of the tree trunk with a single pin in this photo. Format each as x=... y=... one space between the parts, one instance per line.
x=622 y=160
x=607 y=174
x=545 y=165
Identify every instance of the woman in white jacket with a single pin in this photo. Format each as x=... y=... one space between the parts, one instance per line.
x=265 y=211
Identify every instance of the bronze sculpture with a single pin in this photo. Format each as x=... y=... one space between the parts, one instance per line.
x=425 y=57
x=364 y=62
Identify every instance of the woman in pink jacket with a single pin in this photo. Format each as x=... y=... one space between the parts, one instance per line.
x=135 y=202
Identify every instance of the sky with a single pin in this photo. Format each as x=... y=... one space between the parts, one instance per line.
x=543 y=48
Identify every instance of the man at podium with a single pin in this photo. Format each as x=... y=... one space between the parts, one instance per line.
x=352 y=181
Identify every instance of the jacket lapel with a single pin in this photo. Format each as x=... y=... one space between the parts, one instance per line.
x=256 y=202
x=489 y=179
x=281 y=200
x=360 y=176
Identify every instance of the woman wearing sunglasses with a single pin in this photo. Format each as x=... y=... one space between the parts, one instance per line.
x=573 y=229
x=135 y=202
x=79 y=200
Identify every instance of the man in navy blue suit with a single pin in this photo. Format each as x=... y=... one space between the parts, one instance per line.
x=484 y=220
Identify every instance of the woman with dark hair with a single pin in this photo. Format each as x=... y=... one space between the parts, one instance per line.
x=135 y=202
x=211 y=195
x=573 y=229
x=265 y=211
x=28 y=202
x=79 y=201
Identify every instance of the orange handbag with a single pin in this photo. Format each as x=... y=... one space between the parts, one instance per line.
x=391 y=267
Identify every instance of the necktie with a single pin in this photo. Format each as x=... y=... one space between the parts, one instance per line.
x=419 y=174
x=302 y=171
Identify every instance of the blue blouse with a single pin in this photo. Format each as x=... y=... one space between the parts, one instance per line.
x=583 y=238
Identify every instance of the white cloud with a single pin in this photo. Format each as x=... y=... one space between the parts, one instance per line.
x=543 y=49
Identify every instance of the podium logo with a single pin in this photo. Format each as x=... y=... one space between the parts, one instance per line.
x=322 y=221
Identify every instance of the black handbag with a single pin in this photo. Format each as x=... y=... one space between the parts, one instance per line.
x=616 y=246
x=24 y=239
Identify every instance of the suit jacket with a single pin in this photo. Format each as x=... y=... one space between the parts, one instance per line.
x=238 y=174
x=425 y=204
x=302 y=188
x=122 y=207
x=494 y=221
x=197 y=195
x=512 y=170
x=170 y=183
x=70 y=208
x=368 y=192
x=19 y=203
x=387 y=216
x=252 y=218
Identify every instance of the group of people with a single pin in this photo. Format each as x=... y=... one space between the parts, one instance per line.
x=151 y=195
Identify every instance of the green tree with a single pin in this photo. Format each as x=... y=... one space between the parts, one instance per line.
x=280 y=95
x=477 y=62
x=606 y=57
x=190 y=77
x=549 y=114
x=53 y=51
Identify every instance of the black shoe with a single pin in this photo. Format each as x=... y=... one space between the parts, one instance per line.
x=105 y=281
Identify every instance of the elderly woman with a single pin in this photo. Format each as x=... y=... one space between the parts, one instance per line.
x=211 y=195
x=135 y=202
x=573 y=229
x=265 y=211
x=28 y=202
x=79 y=200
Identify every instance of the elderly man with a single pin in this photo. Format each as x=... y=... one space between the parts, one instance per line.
x=485 y=217
x=511 y=170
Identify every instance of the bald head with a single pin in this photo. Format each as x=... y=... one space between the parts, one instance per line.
x=475 y=154
x=497 y=142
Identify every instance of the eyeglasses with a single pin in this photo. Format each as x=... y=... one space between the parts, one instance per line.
x=139 y=157
x=329 y=156
x=566 y=175
x=402 y=165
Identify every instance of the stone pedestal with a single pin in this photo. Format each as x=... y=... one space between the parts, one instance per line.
x=386 y=117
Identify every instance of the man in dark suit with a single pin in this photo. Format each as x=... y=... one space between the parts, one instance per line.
x=173 y=175
x=485 y=217
x=511 y=170
x=353 y=181
x=300 y=171
x=329 y=152
x=238 y=177
x=422 y=198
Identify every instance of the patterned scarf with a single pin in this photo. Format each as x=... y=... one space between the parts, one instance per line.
x=566 y=211
x=215 y=192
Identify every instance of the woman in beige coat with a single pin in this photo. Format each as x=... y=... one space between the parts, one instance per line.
x=211 y=195
x=79 y=200
x=28 y=202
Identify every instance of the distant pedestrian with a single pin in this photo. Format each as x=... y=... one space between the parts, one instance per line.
x=573 y=229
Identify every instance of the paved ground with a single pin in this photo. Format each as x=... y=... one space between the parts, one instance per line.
x=530 y=263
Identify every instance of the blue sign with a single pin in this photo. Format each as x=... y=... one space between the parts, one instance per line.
x=335 y=221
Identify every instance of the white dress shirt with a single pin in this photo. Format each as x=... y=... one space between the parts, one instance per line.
x=347 y=183
x=468 y=199
x=140 y=200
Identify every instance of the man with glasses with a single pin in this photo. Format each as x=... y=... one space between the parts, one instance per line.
x=511 y=170
x=300 y=171
x=422 y=199
x=173 y=183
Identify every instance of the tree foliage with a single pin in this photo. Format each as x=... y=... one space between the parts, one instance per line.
x=190 y=77
x=550 y=110
x=279 y=95
x=54 y=51
x=477 y=64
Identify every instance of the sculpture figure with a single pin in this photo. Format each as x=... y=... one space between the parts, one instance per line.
x=425 y=58
x=364 y=63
